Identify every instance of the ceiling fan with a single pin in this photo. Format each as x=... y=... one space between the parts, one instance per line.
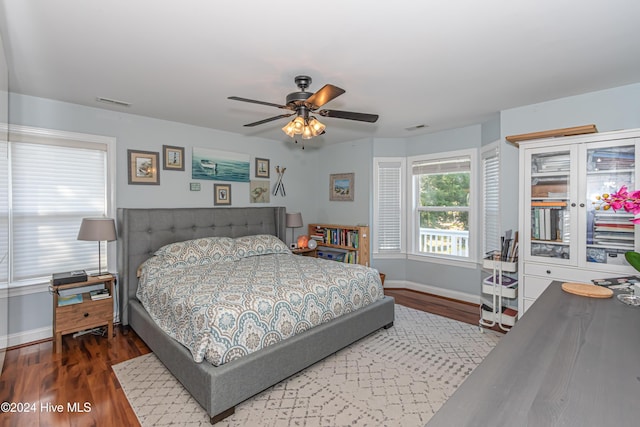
x=303 y=104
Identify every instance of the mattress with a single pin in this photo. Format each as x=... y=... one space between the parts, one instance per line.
x=228 y=308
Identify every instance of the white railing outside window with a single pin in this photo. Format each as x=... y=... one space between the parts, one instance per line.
x=444 y=242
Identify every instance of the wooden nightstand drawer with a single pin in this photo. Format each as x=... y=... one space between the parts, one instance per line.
x=86 y=315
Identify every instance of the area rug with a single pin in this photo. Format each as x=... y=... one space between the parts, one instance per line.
x=394 y=377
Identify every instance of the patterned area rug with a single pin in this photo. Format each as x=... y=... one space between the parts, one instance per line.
x=394 y=377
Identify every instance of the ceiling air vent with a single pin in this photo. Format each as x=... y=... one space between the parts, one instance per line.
x=113 y=102
x=416 y=127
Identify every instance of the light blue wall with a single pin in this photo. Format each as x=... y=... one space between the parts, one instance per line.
x=29 y=312
x=307 y=175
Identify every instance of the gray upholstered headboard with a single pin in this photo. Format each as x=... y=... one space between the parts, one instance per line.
x=143 y=231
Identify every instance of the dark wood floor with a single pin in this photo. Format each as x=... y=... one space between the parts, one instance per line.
x=37 y=380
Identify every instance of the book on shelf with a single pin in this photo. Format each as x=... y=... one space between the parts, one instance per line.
x=69 y=300
x=99 y=294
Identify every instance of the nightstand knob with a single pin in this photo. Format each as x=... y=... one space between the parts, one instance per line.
x=548 y=271
x=86 y=315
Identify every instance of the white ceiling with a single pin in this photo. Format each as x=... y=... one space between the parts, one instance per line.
x=441 y=63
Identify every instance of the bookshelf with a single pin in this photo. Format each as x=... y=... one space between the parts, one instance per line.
x=563 y=236
x=341 y=242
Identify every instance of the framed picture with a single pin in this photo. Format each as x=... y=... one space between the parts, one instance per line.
x=341 y=187
x=219 y=165
x=143 y=167
x=222 y=194
x=173 y=158
x=262 y=168
x=259 y=191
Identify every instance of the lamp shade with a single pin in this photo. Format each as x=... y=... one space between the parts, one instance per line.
x=294 y=220
x=97 y=229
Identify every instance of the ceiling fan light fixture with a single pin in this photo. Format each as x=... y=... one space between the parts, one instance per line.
x=289 y=129
x=316 y=126
x=298 y=125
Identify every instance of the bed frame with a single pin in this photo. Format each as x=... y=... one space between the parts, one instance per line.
x=219 y=388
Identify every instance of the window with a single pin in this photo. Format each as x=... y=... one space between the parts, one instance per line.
x=491 y=198
x=55 y=180
x=389 y=206
x=442 y=217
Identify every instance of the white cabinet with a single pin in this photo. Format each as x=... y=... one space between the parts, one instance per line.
x=563 y=236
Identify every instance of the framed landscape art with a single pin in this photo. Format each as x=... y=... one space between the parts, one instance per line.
x=219 y=165
x=341 y=187
x=143 y=167
x=173 y=158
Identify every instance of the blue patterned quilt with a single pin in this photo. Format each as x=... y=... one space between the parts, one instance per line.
x=224 y=310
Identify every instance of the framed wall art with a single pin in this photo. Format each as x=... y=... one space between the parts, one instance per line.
x=173 y=158
x=143 y=167
x=262 y=168
x=222 y=194
x=341 y=187
x=259 y=191
x=219 y=165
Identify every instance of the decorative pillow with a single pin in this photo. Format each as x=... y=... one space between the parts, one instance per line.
x=198 y=251
x=260 y=244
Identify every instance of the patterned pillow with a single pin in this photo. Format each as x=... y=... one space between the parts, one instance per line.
x=198 y=251
x=260 y=244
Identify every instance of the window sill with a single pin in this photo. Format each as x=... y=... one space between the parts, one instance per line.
x=26 y=287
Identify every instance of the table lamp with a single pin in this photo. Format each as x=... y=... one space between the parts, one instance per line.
x=294 y=220
x=97 y=230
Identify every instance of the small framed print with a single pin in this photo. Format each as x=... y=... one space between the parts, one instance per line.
x=143 y=167
x=262 y=168
x=194 y=186
x=341 y=187
x=173 y=158
x=222 y=194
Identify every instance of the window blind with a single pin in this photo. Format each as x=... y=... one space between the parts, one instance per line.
x=388 y=209
x=491 y=200
x=441 y=166
x=52 y=188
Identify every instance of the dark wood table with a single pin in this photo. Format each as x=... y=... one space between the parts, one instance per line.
x=570 y=361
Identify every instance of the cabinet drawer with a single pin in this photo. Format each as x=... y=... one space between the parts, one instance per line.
x=564 y=274
x=534 y=286
x=85 y=315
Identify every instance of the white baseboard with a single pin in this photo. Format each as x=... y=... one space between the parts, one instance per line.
x=25 y=337
x=434 y=290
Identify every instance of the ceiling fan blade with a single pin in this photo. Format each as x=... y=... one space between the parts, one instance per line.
x=253 y=101
x=361 y=117
x=324 y=95
x=270 y=119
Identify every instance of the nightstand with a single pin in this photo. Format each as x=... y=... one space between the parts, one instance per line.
x=87 y=314
x=305 y=252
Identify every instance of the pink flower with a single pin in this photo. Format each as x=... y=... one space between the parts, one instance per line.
x=622 y=199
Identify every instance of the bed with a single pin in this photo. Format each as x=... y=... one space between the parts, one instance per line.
x=218 y=389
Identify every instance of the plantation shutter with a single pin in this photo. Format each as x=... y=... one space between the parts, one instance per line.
x=491 y=200
x=4 y=212
x=54 y=185
x=388 y=206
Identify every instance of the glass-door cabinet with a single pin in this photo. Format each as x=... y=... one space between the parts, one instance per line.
x=552 y=194
x=565 y=234
x=608 y=234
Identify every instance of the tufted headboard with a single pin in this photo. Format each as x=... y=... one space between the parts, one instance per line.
x=141 y=232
